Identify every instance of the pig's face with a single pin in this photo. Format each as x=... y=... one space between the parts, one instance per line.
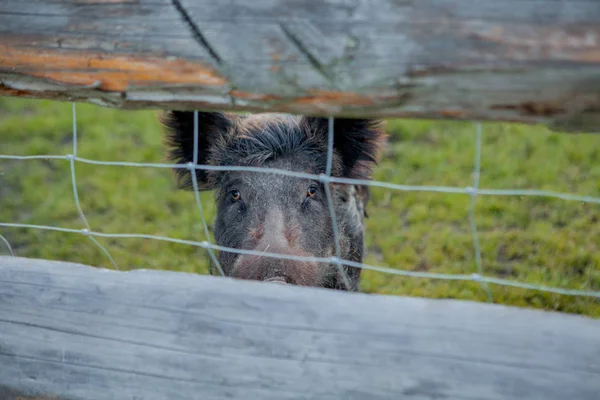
x=271 y=213
x=276 y=214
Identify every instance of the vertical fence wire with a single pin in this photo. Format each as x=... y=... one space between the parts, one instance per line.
x=71 y=158
x=5 y=241
x=472 y=210
x=193 y=167
x=337 y=260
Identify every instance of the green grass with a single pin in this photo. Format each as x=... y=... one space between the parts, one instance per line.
x=529 y=239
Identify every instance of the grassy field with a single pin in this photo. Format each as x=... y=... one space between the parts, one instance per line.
x=530 y=239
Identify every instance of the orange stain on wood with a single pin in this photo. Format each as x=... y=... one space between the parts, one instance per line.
x=581 y=44
x=33 y=94
x=113 y=72
x=547 y=109
x=317 y=97
x=590 y=57
x=452 y=113
x=253 y=96
x=6 y=91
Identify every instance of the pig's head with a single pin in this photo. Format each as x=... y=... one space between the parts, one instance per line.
x=274 y=213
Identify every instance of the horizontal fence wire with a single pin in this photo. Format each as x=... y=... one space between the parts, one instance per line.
x=327 y=179
x=468 y=190
x=416 y=274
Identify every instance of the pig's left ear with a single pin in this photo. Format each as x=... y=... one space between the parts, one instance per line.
x=179 y=142
x=358 y=142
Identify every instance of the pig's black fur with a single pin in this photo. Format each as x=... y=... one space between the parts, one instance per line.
x=273 y=210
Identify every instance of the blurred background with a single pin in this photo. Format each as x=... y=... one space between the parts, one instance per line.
x=537 y=240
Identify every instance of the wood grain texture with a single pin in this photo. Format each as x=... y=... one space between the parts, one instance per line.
x=533 y=61
x=68 y=331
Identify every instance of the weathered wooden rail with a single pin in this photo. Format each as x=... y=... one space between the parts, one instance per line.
x=69 y=331
x=534 y=61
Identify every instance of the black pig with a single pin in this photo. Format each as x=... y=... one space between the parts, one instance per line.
x=280 y=214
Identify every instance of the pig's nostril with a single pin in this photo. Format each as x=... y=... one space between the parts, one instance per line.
x=277 y=279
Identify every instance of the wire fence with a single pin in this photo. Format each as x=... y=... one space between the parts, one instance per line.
x=472 y=191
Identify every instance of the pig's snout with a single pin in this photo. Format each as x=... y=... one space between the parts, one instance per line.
x=277 y=270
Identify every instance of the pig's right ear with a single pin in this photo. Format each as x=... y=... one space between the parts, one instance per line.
x=180 y=142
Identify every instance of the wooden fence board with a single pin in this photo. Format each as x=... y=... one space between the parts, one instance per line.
x=69 y=331
x=533 y=61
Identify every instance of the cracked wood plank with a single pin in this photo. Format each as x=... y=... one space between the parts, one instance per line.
x=532 y=61
x=69 y=331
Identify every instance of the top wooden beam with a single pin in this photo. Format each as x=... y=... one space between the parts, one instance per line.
x=533 y=61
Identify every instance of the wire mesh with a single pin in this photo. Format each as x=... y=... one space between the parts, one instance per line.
x=192 y=167
x=472 y=191
x=472 y=221
x=8 y=246
x=336 y=233
x=71 y=158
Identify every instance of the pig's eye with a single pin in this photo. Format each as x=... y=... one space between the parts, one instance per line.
x=235 y=195
x=311 y=192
